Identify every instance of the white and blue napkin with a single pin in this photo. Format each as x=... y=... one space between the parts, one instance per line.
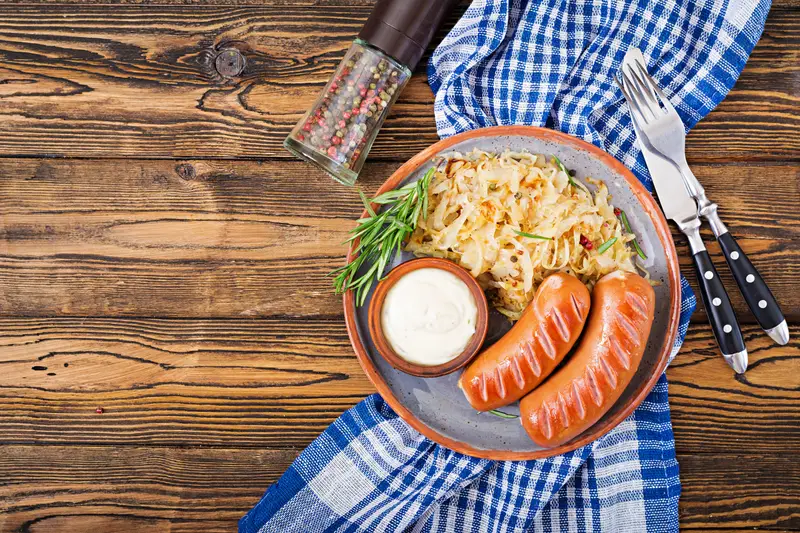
x=547 y=63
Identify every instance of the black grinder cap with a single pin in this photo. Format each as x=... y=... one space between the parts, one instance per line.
x=404 y=28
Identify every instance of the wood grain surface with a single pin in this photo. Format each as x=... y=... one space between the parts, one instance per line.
x=240 y=238
x=127 y=81
x=168 y=489
x=270 y=383
x=162 y=258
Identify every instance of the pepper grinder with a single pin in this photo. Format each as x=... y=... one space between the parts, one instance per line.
x=337 y=133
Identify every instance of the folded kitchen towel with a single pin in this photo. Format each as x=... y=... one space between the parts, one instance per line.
x=549 y=63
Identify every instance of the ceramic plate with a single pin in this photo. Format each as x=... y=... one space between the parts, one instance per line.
x=435 y=406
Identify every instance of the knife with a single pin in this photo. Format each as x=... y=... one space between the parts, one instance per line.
x=755 y=291
x=681 y=208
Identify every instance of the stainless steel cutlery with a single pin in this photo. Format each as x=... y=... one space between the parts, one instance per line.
x=662 y=137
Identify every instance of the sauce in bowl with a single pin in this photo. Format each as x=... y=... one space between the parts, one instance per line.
x=429 y=316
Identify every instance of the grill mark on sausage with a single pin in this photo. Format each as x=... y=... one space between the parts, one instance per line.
x=516 y=372
x=530 y=358
x=594 y=388
x=482 y=388
x=544 y=422
x=637 y=303
x=608 y=372
x=561 y=325
x=577 y=306
x=500 y=385
x=619 y=352
x=627 y=327
x=578 y=401
x=545 y=341
x=562 y=406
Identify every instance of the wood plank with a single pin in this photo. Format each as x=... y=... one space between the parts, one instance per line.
x=190 y=4
x=133 y=80
x=739 y=491
x=70 y=489
x=715 y=410
x=224 y=238
x=276 y=383
x=151 y=490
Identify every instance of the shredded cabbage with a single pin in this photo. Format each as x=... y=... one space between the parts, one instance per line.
x=479 y=202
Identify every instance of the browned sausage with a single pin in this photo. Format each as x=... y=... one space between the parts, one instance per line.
x=585 y=388
x=524 y=356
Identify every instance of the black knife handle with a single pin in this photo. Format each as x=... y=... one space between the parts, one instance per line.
x=756 y=293
x=718 y=306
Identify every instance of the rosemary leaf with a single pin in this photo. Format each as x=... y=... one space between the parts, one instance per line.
x=565 y=171
x=532 y=236
x=606 y=245
x=639 y=250
x=501 y=414
x=366 y=202
x=379 y=236
x=627 y=226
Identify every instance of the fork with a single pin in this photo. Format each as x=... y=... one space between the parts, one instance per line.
x=665 y=132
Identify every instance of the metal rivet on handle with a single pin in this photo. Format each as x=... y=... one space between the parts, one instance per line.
x=750 y=278
x=717 y=302
x=709 y=274
x=762 y=304
x=230 y=63
x=734 y=255
x=727 y=328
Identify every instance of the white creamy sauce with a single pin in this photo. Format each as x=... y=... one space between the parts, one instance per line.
x=429 y=316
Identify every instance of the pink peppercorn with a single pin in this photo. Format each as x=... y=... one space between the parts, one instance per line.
x=346 y=115
x=301 y=137
x=99 y=410
x=342 y=124
x=332 y=151
x=336 y=140
x=363 y=92
x=307 y=127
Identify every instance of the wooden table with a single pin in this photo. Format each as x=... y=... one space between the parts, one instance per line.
x=164 y=260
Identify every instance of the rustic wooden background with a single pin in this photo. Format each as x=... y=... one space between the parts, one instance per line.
x=163 y=258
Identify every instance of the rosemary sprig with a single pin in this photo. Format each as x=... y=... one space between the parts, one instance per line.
x=564 y=169
x=606 y=245
x=501 y=414
x=381 y=234
x=627 y=226
x=532 y=236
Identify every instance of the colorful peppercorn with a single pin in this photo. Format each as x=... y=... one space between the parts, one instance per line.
x=347 y=115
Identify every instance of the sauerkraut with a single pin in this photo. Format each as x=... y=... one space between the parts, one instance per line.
x=513 y=219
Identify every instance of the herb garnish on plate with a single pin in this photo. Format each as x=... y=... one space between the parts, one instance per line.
x=381 y=235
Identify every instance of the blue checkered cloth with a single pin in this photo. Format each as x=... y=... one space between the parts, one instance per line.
x=549 y=63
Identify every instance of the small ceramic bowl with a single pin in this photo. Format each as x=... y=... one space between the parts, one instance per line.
x=382 y=344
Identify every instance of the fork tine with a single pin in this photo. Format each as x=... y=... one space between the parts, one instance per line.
x=654 y=86
x=640 y=89
x=636 y=99
x=635 y=114
x=640 y=73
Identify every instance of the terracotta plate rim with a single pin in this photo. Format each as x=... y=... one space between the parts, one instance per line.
x=664 y=234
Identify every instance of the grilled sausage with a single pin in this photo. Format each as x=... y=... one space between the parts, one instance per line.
x=537 y=343
x=584 y=389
